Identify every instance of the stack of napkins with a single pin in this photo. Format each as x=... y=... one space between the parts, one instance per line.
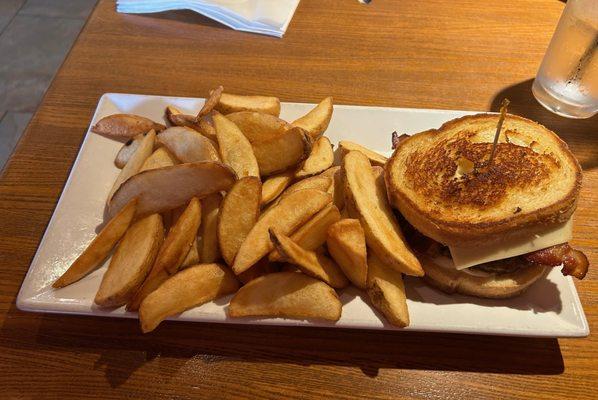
x=268 y=17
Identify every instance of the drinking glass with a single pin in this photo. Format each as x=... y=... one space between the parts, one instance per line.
x=567 y=81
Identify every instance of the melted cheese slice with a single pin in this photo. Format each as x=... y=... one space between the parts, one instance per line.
x=511 y=247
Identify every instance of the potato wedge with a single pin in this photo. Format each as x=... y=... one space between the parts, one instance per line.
x=131 y=262
x=188 y=145
x=125 y=126
x=291 y=213
x=210 y=103
x=239 y=212
x=346 y=146
x=261 y=268
x=286 y=295
x=230 y=103
x=366 y=200
x=275 y=185
x=210 y=250
x=386 y=291
x=337 y=189
x=177 y=118
x=180 y=238
x=100 y=247
x=311 y=263
x=172 y=111
x=320 y=182
x=166 y=188
x=313 y=234
x=126 y=151
x=235 y=149
x=172 y=252
x=346 y=245
x=189 y=288
x=282 y=152
x=205 y=126
x=135 y=162
x=315 y=182
x=192 y=256
x=258 y=127
x=158 y=159
x=316 y=121
x=172 y=114
x=319 y=160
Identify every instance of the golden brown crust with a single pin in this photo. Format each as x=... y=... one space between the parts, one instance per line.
x=484 y=187
x=421 y=180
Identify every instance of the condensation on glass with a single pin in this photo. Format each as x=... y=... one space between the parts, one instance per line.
x=567 y=81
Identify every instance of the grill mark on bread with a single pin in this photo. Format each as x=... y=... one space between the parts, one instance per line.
x=433 y=173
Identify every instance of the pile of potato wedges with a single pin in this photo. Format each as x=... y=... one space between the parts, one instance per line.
x=235 y=200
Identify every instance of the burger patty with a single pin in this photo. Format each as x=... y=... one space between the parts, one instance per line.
x=504 y=266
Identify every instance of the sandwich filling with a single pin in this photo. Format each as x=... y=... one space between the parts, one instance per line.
x=511 y=246
x=573 y=262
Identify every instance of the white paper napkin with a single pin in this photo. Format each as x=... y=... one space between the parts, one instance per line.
x=267 y=17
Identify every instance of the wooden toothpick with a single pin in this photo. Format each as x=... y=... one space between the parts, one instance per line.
x=501 y=119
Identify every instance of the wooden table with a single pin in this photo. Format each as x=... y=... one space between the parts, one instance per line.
x=461 y=54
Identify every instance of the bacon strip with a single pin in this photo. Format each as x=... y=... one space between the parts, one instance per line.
x=396 y=139
x=575 y=263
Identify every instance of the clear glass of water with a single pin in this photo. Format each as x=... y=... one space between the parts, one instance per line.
x=567 y=81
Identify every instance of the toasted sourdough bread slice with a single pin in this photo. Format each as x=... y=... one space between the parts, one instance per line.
x=441 y=182
x=500 y=286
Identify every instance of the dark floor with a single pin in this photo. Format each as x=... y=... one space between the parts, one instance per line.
x=35 y=36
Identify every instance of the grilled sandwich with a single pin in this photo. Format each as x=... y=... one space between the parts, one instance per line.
x=488 y=228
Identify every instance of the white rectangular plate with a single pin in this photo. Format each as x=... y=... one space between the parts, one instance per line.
x=550 y=308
